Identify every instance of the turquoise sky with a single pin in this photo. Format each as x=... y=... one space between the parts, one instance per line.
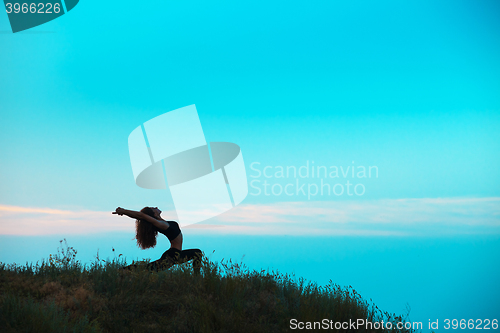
x=412 y=87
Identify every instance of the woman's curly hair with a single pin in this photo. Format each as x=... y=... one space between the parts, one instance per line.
x=145 y=232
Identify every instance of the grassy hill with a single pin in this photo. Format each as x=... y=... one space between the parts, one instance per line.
x=62 y=295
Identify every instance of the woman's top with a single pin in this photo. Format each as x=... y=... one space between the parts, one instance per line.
x=172 y=231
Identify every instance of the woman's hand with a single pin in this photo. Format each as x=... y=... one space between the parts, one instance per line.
x=120 y=211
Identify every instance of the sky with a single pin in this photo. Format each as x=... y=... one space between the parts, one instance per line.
x=409 y=90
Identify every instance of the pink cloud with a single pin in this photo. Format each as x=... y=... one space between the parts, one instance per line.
x=467 y=211
x=15 y=220
x=372 y=217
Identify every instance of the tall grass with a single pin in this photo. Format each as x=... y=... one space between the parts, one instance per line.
x=62 y=295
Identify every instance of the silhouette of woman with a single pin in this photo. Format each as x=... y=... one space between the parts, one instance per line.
x=148 y=224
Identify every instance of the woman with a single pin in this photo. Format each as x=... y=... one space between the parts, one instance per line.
x=148 y=224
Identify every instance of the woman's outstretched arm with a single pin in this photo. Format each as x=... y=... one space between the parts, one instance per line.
x=141 y=216
x=130 y=213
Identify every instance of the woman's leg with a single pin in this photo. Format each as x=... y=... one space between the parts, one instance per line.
x=192 y=254
x=153 y=265
x=173 y=256
x=129 y=267
x=167 y=260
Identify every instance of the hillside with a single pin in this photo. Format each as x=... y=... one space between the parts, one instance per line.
x=62 y=295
